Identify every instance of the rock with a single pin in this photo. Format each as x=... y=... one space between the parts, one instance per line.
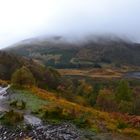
x=64 y=131
x=48 y=132
x=29 y=119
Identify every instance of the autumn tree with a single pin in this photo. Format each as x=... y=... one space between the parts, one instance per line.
x=106 y=100
x=93 y=97
x=52 y=78
x=84 y=89
x=38 y=73
x=23 y=77
x=123 y=91
x=66 y=89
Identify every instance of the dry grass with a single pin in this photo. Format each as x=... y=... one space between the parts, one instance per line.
x=94 y=73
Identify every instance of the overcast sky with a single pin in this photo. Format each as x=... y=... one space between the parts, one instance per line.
x=22 y=19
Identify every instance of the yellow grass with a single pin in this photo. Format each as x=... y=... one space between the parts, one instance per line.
x=94 y=73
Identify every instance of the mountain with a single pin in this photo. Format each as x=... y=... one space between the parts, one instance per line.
x=63 y=53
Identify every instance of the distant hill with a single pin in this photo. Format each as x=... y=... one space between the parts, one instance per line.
x=62 y=53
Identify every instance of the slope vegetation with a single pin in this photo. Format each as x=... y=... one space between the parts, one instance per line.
x=61 y=53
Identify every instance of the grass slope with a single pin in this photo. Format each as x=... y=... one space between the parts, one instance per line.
x=89 y=117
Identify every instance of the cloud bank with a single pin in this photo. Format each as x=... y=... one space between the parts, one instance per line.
x=21 y=19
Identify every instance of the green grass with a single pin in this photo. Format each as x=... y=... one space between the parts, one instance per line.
x=33 y=103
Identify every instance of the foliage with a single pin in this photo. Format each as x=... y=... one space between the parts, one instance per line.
x=18 y=104
x=123 y=91
x=82 y=121
x=61 y=109
x=106 y=101
x=38 y=73
x=131 y=132
x=9 y=63
x=52 y=78
x=22 y=77
x=136 y=101
x=126 y=107
x=93 y=97
x=66 y=89
x=121 y=124
x=84 y=89
x=11 y=117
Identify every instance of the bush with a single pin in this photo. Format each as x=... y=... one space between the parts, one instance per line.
x=55 y=113
x=59 y=113
x=82 y=122
x=18 y=104
x=121 y=125
x=11 y=118
x=13 y=103
x=126 y=107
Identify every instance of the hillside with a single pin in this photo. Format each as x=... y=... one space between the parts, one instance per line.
x=105 y=106
x=62 y=53
x=61 y=114
x=9 y=63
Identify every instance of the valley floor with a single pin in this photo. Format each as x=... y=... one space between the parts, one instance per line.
x=101 y=73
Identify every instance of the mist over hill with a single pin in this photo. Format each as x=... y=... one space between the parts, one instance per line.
x=61 y=52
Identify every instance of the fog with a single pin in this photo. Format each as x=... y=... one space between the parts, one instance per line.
x=22 y=19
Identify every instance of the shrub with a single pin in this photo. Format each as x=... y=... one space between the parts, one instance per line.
x=126 y=107
x=11 y=117
x=21 y=105
x=82 y=122
x=121 y=125
x=13 y=103
x=18 y=104
x=52 y=112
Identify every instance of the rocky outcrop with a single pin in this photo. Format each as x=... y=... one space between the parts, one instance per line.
x=62 y=131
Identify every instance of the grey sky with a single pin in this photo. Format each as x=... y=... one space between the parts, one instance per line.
x=22 y=19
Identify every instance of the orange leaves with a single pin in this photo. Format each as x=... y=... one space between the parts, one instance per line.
x=132 y=120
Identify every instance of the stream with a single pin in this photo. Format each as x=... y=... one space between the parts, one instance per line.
x=135 y=75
